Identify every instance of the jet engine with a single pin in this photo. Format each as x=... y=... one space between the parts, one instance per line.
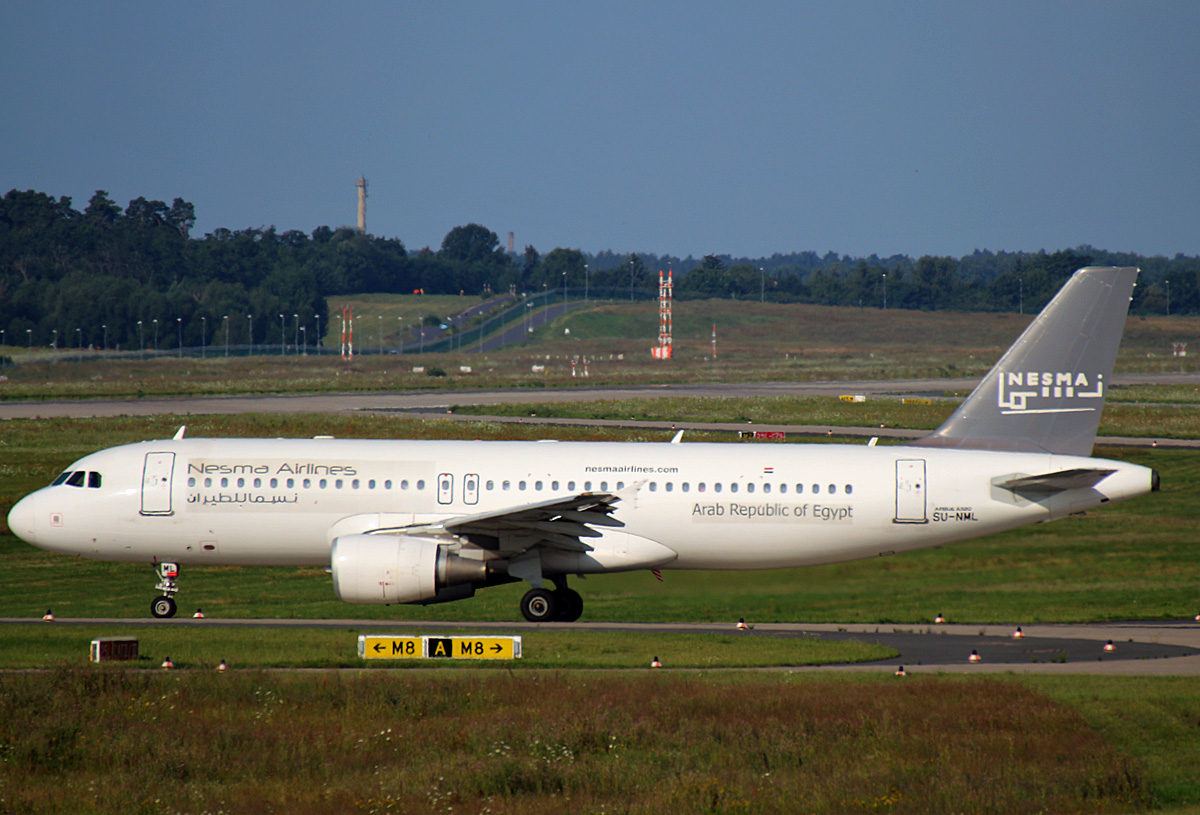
x=402 y=569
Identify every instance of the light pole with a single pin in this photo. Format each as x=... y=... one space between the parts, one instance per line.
x=564 y=287
x=304 y=336
x=885 y=291
x=29 y=338
x=296 y=332
x=400 y=332
x=1021 y=295
x=762 y=285
x=141 y=342
x=380 y=316
x=1168 y=282
x=317 y=342
x=78 y=339
x=282 y=338
x=203 y=336
x=54 y=340
x=250 y=331
x=631 y=281
x=179 y=332
x=155 y=321
x=104 y=341
x=587 y=282
x=225 y=319
x=421 y=322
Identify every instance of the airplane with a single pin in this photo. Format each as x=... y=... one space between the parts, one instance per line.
x=431 y=521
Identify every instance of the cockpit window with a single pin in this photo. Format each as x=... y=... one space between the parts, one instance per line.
x=76 y=478
x=94 y=481
x=60 y=479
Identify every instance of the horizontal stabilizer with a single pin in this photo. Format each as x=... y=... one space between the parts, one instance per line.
x=1060 y=481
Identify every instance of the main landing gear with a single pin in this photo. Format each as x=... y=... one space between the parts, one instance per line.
x=563 y=605
x=164 y=606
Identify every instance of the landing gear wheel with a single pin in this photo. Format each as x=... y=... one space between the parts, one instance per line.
x=569 y=605
x=163 y=607
x=539 y=606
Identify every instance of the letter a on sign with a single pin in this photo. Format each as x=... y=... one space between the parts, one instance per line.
x=440 y=647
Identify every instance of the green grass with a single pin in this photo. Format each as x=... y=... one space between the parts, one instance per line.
x=203 y=646
x=488 y=741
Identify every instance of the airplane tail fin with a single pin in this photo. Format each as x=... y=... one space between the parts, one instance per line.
x=1047 y=391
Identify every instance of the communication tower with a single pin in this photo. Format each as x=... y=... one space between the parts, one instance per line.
x=665 y=288
x=362 y=204
x=347 y=333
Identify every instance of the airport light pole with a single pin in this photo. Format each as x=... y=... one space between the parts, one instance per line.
x=225 y=319
x=104 y=340
x=203 y=336
x=250 y=332
x=587 y=282
x=304 y=336
x=282 y=338
x=141 y=342
x=78 y=339
x=296 y=332
x=155 y=321
x=179 y=331
x=380 y=316
x=317 y=342
x=29 y=338
x=885 y=291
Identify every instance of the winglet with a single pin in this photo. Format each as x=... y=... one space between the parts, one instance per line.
x=1047 y=391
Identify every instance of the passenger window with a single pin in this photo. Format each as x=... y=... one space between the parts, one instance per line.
x=750 y=488
x=571 y=486
x=537 y=486
x=387 y=485
x=833 y=489
x=257 y=483
x=653 y=486
x=620 y=485
x=603 y=486
x=783 y=488
x=521 y=485
x=420 y=483
x=241 y=482
x=337 y=484
x=308 y=483
x=208 y=482
x=554 y=486
x=404 y=484
x=816 y=489
x=733 y=487
x=491 y=485
x=506 y=485
x=224 y=482
x=322 y=483
x=686 y=486
x=370 y=483
x=799 y=488
x=717 y=487
x=274 y=483
x=587 y=486
x=849 y=489
x=766 y=487
x=291 y=483
x=700 y=487
x=354 y=484
x=191 y=482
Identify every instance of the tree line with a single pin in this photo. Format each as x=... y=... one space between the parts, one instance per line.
x=135 y=277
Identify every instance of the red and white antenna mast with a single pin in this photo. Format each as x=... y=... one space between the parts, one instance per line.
x=347 y=332
x=665 y=341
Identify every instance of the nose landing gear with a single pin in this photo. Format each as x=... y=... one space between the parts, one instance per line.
x=164 y=606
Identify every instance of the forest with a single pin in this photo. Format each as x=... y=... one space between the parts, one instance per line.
x=107 y=277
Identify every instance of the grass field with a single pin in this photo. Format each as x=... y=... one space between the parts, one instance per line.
x=756 y=342
x=537 y=738
x=107 y=741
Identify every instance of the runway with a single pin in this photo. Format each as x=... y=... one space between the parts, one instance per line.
x=1140 y=648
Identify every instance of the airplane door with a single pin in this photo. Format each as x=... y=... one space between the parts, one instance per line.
x=445 y=488
x=910 y=491
x=156 y=483
x=471 y=488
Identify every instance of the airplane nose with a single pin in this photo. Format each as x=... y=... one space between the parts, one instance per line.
x=21 y=519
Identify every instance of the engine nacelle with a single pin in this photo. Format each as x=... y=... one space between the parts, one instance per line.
x=390 y=569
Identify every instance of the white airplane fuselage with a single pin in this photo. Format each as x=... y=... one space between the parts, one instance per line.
x=282 y=502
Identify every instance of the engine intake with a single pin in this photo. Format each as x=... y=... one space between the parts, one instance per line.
x=390 y=569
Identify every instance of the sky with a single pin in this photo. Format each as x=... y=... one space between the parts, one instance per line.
x=685 y=128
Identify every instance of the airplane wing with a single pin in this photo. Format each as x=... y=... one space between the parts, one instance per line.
x=1060 y=481
x=559 y=523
